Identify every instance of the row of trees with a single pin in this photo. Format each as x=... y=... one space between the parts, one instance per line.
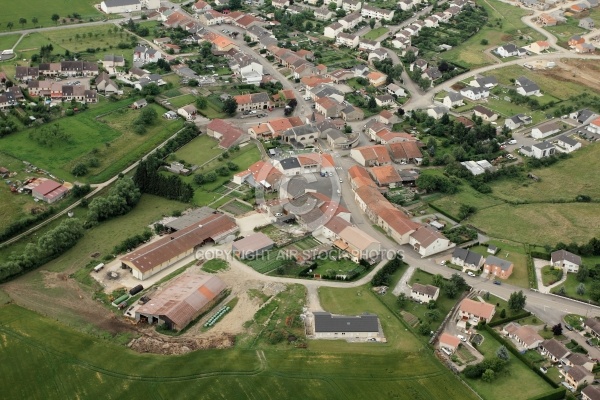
x=122 y=197
x=149 y=180
x=48 y=247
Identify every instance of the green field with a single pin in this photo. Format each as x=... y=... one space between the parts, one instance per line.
x=375 y=33
x=8 y=41
x=519 y=382
x=12 y=11
x=471 y=53
x=266 y=262
x=213 y=266
x=109 y=138
x=559 y=89
x=91 y=369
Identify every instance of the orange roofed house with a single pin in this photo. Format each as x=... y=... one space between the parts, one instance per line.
x=386 y=176
x=539 y=46
x=474 y=311
x=254 y=101
x=377 y=78
x=227 y=134
x=261 y=174
x=427 y=241
x=370 y=156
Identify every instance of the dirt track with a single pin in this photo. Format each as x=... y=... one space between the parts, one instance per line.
x=578 y=71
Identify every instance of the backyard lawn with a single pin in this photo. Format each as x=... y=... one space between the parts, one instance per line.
x=8 y=41
x=570 y=288
x=519 y=382
x=199 y=150
x=513 y=252
x=183 y=100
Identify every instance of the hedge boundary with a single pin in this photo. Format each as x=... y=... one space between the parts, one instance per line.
x=522 y=315
x=556 y=394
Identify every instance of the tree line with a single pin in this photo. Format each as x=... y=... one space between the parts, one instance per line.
x=49 y=246
x=122 y=197
x=149 y=180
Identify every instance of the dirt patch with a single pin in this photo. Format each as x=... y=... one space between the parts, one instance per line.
x=179 y=345
x=582 y=72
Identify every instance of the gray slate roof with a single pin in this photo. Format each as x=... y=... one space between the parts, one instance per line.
x=120 y=3
x=290 y=163
x=503 y=264
x=468 y=256
x=325 y=322
x=561 y=255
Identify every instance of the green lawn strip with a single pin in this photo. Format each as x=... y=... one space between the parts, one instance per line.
x=181 y=101
x=570 y=288
x=199 y=150
x=215 y=265
x=550 y=275
x=267 y=262
x=375 y=33
x=8 y=41
x=518 y=381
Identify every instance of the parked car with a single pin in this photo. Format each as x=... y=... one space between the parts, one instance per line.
x=569 y=327
x=544 y=369
x=471 y=274
x=512 y=141
x=497 y=283
x=462 y=338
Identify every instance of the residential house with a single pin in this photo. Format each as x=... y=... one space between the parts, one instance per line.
x=254 y=101
x=385 y=100
x=351 y=5
x=546 y=19
x=585 y=48
x=567 y=144
x=424 y=293
x=328 y=107
x=508 y=50
x=357 y=245
x=261 y=175
x=517 y=121
x=350 y=113
x=580 y=360
x=281 y=4
x=420 y=64
x=226 y=133
x=379 y=54
x=448 y=342
x=485 y=113
x=386 y=176
x=475 y=311
x=592 y=326
x=323 y=14
x=453 y=99
x=546 y=129
x=565 y=260
x=539 y=46
x=431 y=22
x=332 y=30
x=340 y=75
x=488 y=82
x=428 y=241
x=371 y=156
x=369 y=45
x=201 y=6
x=328 y=326
x=105 y=84
x=437 y=112
x=347 y=39
x=188 y=112
x=139 y=104
x=467 y=259
x=577 y=376
x=498 y=267
x=351 y=20
x=586 y=23
x=554 y=350
x=575 y=40
x=25 y=74
x=432 y=73
x=538 y=150
x=590 y=393
x=525 y=335
x=405 y=152
x=387 y=117
x=301 y=136
x=145 y=55
x=368 y=11
x=111 y=61
x=475 y=93
x=377 y=78
x=594 y=126
x=395 y=90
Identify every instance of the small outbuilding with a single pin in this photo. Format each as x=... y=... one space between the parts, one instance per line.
x=252 y=245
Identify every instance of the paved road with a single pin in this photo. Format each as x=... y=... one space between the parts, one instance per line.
x=70 y=26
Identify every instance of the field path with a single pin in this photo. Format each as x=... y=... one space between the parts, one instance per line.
x=19 y=41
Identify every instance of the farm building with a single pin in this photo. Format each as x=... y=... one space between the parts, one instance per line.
x=189 y=218
x=120 y=6
x=181 y=301
x=252 y=245
x=49 y=191
x=328 y=326
x=152 y=258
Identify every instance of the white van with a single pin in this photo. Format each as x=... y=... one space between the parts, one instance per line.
x=98 y=267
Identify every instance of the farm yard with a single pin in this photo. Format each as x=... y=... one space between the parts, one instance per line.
x=109 y=139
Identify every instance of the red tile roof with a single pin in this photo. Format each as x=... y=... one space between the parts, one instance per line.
x=229 y=133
